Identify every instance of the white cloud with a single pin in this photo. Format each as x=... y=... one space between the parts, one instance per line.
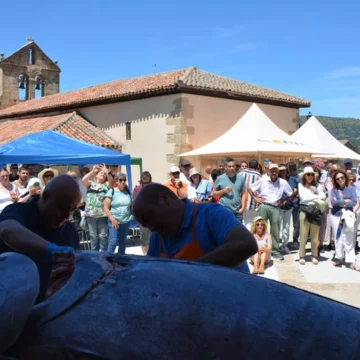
x=344 y=72
x=227 y=32
x=244 y=47
x=344 y=100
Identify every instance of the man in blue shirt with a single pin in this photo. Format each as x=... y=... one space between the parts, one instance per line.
x=231 y=189
x=294 y=180
x=184 y=230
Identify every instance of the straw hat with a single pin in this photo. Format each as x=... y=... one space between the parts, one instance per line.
x=309 y=170
x=194 y=171
x=44 y=171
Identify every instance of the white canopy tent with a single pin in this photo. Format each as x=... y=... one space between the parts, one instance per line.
x=314 y=133
x=255 y=134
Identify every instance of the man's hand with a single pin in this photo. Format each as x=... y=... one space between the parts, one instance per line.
x=227 y=190
x=53 y=248
x=178 y=183
x=35 y=191
x=114 y=223
x=241 y=211
x=259 y=200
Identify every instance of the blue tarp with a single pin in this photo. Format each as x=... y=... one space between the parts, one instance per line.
x=50 y=147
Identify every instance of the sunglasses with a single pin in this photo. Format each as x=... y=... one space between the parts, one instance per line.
x=121 y=180
x=259 y=224
x=309 y=174
x=351 y=180
x=13 y=168
x=48 y=176
x=175 y=173
x=340 y=178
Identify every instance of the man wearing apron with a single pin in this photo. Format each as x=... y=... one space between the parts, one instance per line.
x=198 y=232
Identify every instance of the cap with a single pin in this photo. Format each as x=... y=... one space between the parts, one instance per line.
x=273 y=166
x=194 y=171
x=174 y=169
x=282 y=167
x=308 y=161
x=185 y=163
x=348 y=161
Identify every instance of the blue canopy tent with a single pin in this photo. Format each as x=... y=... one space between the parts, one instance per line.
x=50 y=147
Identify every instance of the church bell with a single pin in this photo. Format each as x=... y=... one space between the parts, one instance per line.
x=22 y=85
x=37 y=86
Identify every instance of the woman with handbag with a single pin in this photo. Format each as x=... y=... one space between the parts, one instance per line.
x=117 y=207
x=343 y=199
x=310 y=195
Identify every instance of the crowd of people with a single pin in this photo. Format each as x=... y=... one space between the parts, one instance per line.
x=322 y=201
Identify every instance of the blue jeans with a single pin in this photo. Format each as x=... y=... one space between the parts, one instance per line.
x=98 y=230
x=118 y=236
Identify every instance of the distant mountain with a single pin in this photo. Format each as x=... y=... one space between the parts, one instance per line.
x=341 y=128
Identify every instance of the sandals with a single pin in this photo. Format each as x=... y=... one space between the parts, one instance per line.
x=261 y=270
x=302 y=261
x=338 y=262
x=314 y=261
x=354 y=267
x=255 y=270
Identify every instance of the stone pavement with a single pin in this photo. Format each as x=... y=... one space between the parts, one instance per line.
x=340 y=284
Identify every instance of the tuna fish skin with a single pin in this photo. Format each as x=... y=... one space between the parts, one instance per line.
x=128 y=307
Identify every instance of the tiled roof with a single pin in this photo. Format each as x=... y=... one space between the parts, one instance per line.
x=152 y=85
x=70 y=124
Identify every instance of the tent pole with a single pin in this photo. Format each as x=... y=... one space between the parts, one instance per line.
x=259 y=155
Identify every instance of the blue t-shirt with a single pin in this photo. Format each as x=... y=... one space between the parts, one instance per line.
x=232 y=200
x=213 y=222
x=120 y=205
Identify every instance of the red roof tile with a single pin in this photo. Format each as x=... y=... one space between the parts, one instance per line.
x=152 y=85
x=70 y=124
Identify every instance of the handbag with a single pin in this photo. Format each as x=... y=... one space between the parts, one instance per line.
x=322 y=205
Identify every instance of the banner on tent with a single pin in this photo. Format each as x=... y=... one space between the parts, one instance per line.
x=275 y=141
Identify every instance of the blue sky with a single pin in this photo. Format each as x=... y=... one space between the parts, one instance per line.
x=306 y=48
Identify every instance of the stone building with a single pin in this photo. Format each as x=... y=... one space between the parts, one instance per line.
x=159 y=116
x=27 y=74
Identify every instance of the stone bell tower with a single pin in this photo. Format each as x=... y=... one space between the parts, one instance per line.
x=27 y=74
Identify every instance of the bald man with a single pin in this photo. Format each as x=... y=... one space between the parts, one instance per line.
x=184 y=230
x=40 y=227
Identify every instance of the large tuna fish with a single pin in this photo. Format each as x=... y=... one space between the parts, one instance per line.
x=130 y=307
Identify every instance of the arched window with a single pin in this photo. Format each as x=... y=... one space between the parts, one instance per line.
x=23 y=91
x=31 y=57
x=39 y=87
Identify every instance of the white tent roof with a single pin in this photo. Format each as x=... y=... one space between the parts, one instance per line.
x=314 y=133
x=255 y=133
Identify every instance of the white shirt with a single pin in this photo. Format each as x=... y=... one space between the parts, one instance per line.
x=270 y=191
x=307 y=195
x=184 y=179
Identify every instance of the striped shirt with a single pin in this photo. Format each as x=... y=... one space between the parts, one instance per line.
x=250 y=176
